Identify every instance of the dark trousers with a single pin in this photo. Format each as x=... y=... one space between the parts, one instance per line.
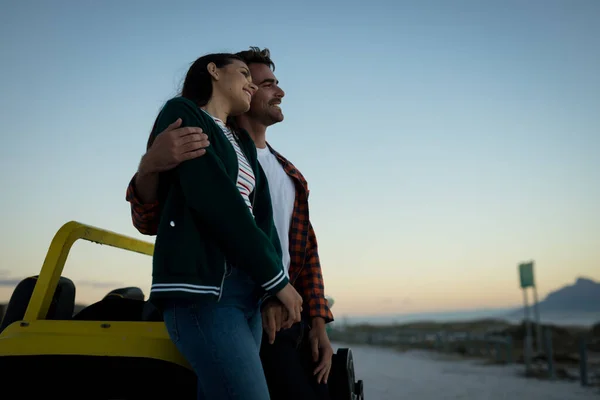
x=289 y=367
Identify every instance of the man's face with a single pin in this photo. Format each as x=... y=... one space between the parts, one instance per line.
x=266 y=102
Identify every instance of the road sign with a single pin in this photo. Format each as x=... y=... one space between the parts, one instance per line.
x=526 y=275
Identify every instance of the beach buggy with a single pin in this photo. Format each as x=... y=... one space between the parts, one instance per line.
x=116 y=348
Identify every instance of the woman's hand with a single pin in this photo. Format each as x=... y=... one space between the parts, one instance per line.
x=292 y=301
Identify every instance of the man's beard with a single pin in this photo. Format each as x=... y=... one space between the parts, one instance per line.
x=267 y=116
x=274 y=115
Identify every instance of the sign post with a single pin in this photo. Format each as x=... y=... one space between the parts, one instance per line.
x=527 y=280
x=536 y=313
x=527 y=344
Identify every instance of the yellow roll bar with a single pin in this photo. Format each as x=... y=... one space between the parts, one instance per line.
x=56 y=257
x=37 y=336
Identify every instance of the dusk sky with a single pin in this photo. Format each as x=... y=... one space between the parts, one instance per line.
x=443 y=141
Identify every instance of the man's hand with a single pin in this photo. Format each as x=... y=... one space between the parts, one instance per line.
x=322 y=352
x=173 y=146
x=273 y=315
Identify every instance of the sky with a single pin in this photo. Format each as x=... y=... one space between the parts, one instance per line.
x=443 y=142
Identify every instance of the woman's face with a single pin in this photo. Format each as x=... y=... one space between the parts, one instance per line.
x=234 y=82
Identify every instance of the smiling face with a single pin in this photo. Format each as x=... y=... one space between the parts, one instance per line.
x=234 y=83
x=266 y=102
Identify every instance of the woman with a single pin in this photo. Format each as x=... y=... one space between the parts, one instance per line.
x=217 y=251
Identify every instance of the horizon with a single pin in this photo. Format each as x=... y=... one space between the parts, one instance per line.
x=443 y=144
x=444 y=313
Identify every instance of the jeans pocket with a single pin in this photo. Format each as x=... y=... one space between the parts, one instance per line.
x=293 y=335
x=302 y=335
x=228 y=270
x=171 y=321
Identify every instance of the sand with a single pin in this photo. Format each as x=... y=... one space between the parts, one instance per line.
x=392 y=375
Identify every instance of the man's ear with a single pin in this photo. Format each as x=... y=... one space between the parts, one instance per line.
x=213 y=70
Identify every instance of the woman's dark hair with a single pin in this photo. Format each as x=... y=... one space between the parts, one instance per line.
x=197 y=85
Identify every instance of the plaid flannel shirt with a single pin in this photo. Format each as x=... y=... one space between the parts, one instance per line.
x=305 y=266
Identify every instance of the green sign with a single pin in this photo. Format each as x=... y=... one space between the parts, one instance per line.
x=526 y=275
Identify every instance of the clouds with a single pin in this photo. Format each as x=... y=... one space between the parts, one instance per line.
x=99 y=284
x=6 y=280
x=405 y=301
x=9 y=281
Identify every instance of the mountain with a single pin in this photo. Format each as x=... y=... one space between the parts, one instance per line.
x=581 y=297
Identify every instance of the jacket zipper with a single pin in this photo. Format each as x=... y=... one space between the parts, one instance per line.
x=303 y=259
x=237 y=139
x=302 y=265
x=299 y=272
x=235 y=136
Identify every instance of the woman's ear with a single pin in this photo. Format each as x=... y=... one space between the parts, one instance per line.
x=213 y=70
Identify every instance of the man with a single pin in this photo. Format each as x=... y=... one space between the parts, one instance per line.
x=297 y=359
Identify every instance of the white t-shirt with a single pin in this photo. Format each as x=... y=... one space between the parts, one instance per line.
x=283 y=194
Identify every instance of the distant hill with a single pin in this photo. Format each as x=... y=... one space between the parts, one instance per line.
x=581 y=297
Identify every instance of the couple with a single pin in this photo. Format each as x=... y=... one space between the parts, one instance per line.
x=236 y=270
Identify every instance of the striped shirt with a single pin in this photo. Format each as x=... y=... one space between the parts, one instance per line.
x=245 y=180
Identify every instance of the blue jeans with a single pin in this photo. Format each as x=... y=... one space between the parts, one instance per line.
x=221 y=341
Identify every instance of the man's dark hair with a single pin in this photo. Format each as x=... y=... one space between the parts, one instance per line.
x=257 y=56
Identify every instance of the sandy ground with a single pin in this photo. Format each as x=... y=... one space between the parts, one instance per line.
x=391 y=375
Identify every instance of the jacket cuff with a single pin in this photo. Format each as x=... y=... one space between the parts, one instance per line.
x=135 y=201
x=273 y=286
x=320 y=310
